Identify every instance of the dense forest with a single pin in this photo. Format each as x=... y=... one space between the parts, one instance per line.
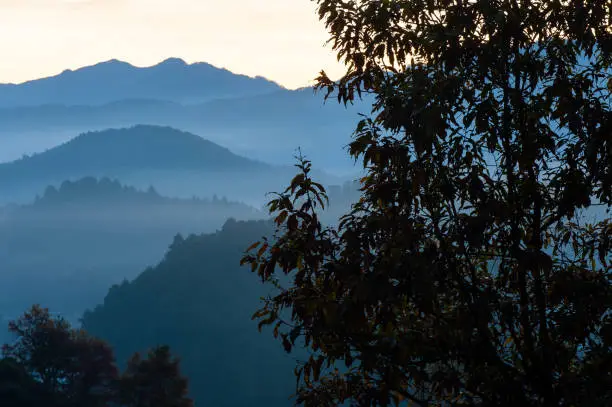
x=199 y=301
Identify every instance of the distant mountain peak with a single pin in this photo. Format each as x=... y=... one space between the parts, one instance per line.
x=137 y=147
x=114 y=62
x=173 y=61
x=173 y=80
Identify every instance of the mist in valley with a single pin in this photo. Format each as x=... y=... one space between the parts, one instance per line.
x=113 y=209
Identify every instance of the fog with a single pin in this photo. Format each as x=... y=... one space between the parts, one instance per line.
x=65 y=253
x=122 y=207
x=66 y=247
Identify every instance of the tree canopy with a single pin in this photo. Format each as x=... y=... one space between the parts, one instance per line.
x=467 y=273
x=154 y=382
x=52 y=364
x=69 y=366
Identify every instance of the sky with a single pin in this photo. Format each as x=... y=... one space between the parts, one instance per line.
x=282 y=40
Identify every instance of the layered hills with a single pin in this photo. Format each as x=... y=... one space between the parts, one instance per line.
x=77 y=239
x=178 y=163
x=250 y=116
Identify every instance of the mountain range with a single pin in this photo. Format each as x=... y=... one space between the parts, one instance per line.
x=105 y=82
x=173 y=138
x=258 y=118
x=77 y=239
x=177 y=163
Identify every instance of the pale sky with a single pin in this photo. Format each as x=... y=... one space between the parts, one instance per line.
x=282 y=40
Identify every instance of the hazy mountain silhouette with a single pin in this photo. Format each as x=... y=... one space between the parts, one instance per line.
x=267 y=127
x=78 y=238
x=177 y=163
x=200 y=301
x=171 y=80
x=136 y=148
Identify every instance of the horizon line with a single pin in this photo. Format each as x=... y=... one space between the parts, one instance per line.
x=166 y=60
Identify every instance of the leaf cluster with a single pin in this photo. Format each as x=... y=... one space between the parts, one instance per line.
x=468 y=272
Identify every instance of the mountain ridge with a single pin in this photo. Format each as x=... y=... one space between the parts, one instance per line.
x=143 y=155
x=172 y=79
x=94 y=149
x=199 y=275
x=268 y=127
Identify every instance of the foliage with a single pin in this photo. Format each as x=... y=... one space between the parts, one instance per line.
x=17 y=388
x=54 y=365
x=465 y=274
x=154 y=381
x=67 y=363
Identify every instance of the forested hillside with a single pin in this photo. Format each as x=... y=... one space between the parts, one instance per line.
x=77 y=239
x=199 y=301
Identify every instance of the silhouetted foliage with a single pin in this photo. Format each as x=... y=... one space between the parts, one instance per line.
x=154 y=381
x=53 y=365
x=17 y=388
x=465 y=274
x=68 y=364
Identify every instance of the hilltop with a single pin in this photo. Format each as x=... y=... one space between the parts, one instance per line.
x=175 y=162
x=140 y=155
x=268 y=127
x=138 y=147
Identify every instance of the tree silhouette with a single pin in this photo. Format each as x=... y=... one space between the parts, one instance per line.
x=153 y=382
x=465 y=274
x=69 y=366
x=17 y=388
x=54 y=365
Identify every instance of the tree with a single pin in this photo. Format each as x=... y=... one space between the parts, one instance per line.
x=153 y=382
x=17 y=389
x=69 y=366
x=465 y=274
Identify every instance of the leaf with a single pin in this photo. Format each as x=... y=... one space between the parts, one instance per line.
x=254 y=245
x=286 y=344
x=292 y=223
x=316 y=368
x=281 y=218
x=397 y=398
x=508 y=341
x=262 y=250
